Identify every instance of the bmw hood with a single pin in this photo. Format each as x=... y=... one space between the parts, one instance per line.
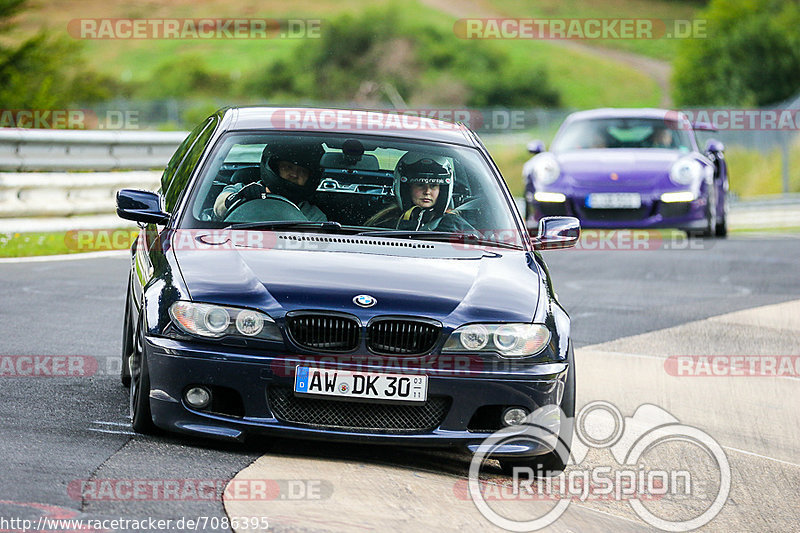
x=442 y=281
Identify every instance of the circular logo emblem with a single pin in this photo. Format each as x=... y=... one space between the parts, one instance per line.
x=364 y=300
x=343 y=387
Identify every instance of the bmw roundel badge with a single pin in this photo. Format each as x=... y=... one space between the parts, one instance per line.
x=364 y=300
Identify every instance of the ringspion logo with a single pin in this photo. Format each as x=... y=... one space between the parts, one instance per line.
x=642 y=476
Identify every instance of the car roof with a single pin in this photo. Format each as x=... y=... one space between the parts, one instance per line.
x=612 y=112
x=357 y=122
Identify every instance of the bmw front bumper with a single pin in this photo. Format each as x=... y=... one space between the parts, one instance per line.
x=246 y=380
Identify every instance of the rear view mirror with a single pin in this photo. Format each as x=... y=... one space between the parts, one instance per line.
x=140 y=206
x=557 y=232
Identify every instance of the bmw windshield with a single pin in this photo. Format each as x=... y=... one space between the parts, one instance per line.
x=377 y=185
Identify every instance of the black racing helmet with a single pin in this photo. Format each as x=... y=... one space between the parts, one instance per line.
x=416 y=167
x=304 y=155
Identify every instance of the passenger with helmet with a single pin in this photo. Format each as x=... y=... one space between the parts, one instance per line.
x=290 y=171
x=423 y=187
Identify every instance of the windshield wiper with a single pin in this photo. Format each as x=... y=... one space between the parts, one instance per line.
x=441 y=236
x=295 y=224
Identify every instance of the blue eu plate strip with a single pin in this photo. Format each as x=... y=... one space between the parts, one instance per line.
x=301 y=379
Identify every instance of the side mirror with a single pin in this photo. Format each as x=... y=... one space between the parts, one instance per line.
x=536 y=147
x=714 y=146
x=557 y=232
x=703 y=126
x=140 y=206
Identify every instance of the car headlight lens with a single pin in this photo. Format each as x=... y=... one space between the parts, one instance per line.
x=507 y=340
x=215 y=321
x=249 y=322
x=686 y=171
x=546 y=169
x=474 y=337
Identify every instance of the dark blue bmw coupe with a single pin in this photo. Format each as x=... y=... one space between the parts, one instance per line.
x=342 y=275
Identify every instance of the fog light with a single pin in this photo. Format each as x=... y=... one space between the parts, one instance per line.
x=674 y=197
x=514 y=416
x=543 y=196
x=198 y=397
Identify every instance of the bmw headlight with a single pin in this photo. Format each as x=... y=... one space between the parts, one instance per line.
x=546 y=169
x=216 y=321
x=507 y=340
x=686 y=171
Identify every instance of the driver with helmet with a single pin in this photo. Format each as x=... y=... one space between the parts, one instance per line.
x=423 y=187
x=290 y=171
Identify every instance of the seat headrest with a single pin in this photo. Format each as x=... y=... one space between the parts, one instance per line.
x=338 y=160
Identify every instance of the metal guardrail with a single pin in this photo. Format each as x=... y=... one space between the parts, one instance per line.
x=35 y=184
x=61 y=194
x=23 y=150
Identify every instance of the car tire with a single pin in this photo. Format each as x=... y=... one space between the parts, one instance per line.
x=711 y=217
x=141 y=416
x=710 y=228
x=721 y=230
x=553 y=462
x=127 y=340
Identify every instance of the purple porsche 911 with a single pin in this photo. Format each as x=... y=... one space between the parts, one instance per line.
x=630 y=168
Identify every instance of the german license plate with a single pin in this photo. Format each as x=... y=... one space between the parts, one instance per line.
x=367 y=385
x=614 y=200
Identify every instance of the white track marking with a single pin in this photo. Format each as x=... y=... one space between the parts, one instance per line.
x=65 y=257
x=113 y=431
x=768 y=458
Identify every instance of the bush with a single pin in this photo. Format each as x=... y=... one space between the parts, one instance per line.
x=750 y=58
x=182 y=77
x=46 y=73
x=358 y=56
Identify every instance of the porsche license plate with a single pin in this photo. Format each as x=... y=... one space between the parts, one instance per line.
x=614 y=200
x=367 y=385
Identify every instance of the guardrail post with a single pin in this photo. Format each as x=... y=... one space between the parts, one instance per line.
x=786 y=137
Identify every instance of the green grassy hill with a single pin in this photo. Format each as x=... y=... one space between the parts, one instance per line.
x=666 y=10
x=582 y=80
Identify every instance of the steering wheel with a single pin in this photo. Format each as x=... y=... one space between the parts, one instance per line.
x=270 y=207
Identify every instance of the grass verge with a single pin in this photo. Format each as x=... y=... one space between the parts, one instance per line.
x=65 y=242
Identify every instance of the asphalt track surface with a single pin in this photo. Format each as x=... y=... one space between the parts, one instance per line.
x=58 y=431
